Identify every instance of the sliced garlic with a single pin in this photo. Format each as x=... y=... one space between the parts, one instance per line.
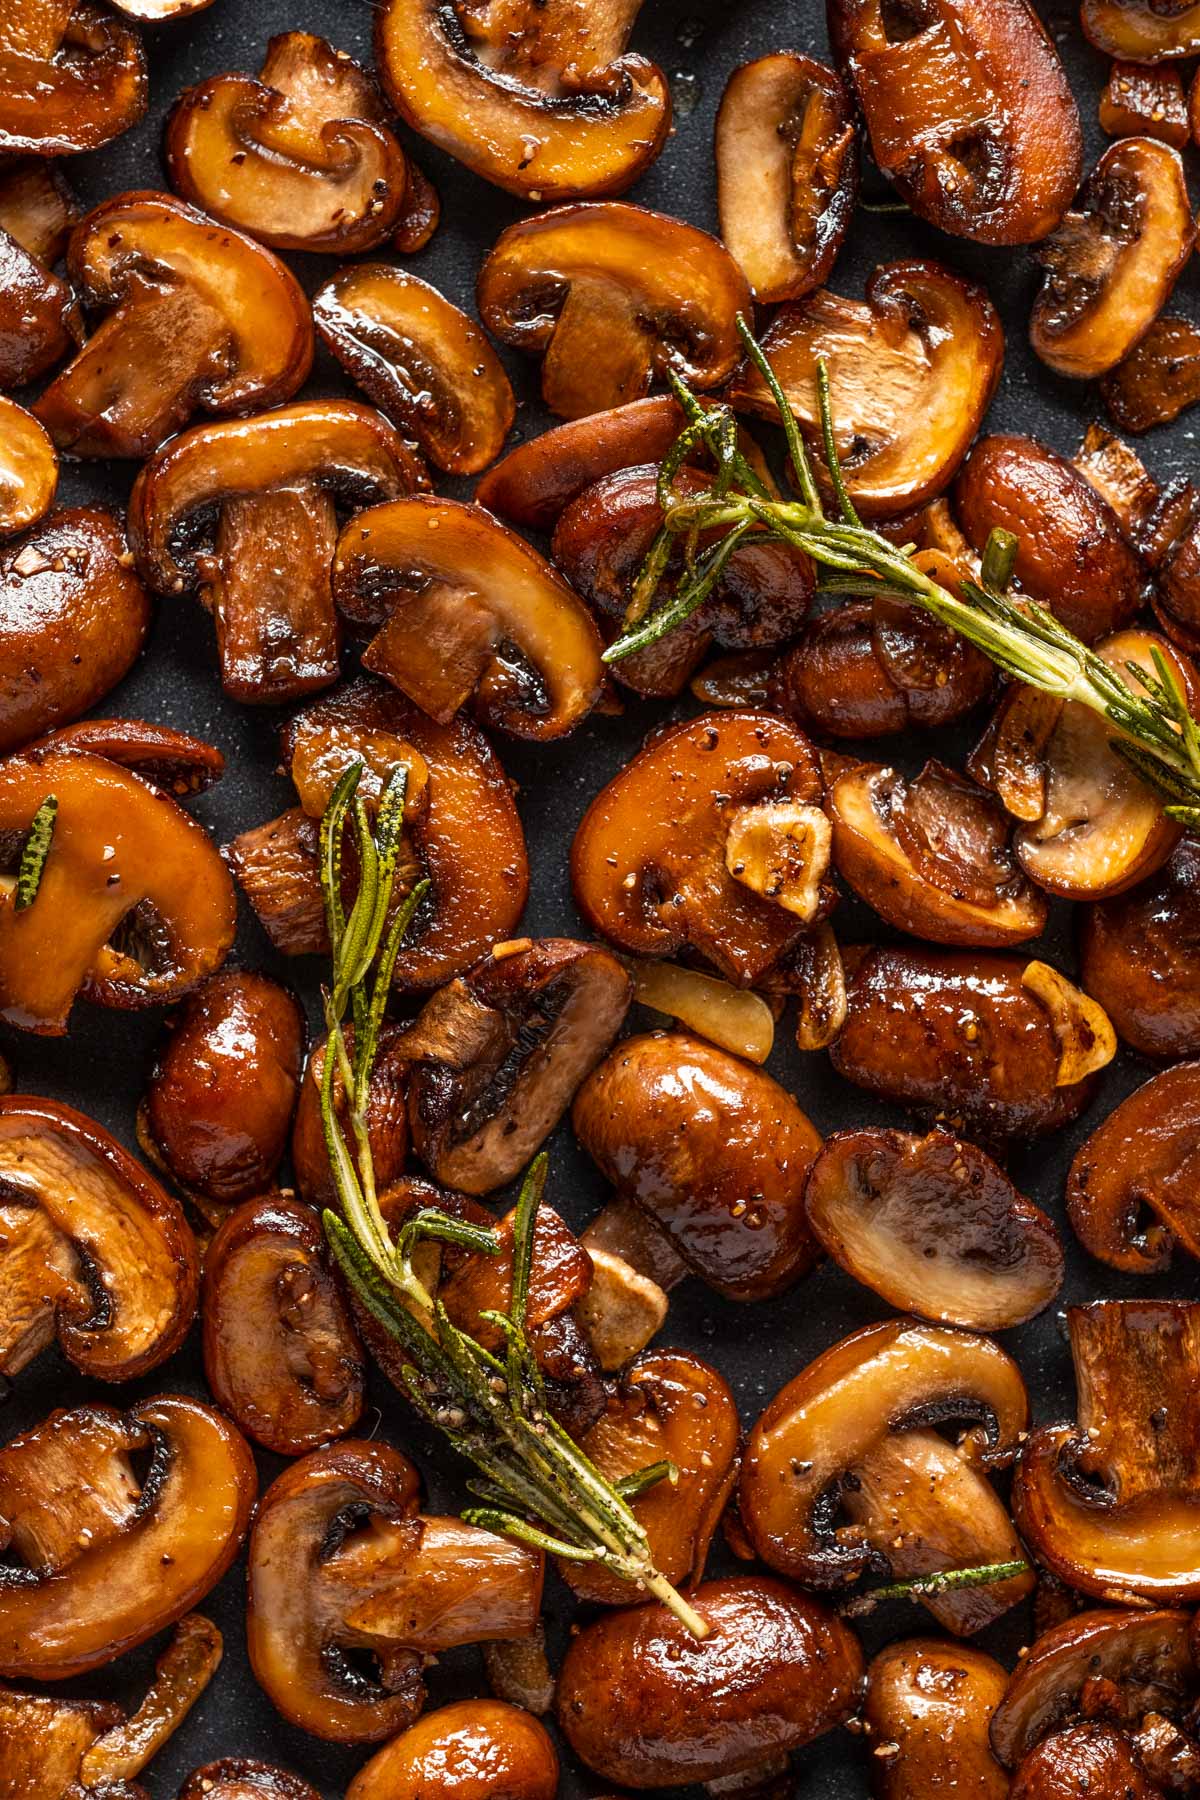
x=1086 y=1039
x=780 y=849
x=736 y=1019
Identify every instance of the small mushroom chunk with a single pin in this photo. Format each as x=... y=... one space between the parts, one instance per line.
x=646 y=1705
x=1112 y=263
x=847 y=1471
x=39 y=315
x=927 y=1712
x=912 y=370
x=180 y=764
x=37 y=207
x=73 y=618
x=280 y=1353
x=539 y=98
x=421 y=360
x=934 y=1226
x=199 y=317
x=787 y=172
x=612 y=296
x=1140 y=957
x=344 y=1568
x=464 y=610
x=1084 y=1762
x=932 y=856
x=1110 y=1504
x=1072 y=555
x=244 y=512
x=1119 y=475
x=713 y=1150
x=72 y=77
x=1159 y=379
x=43 y=1738
x=243 y=1778
x=1132 y=1191
x=278 y=869
x=1172 y=545
x=1143 y=31
x=386 y=1119
x=470 y=1750
x=28 y=469
x=1138 y=101
x=969 y=111
x=499 y=1054
x=100 y=1557
x=302 y=159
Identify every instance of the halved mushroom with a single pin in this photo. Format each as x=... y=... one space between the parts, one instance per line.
x=932 y=856
x=1112 y=263
x=464 y=610
x=173 y=760
x=28 y=469
x=787 y=172
x=713 y=1150
x=1145 y=102
x=1159 y=379
x=927 y=1712
x=1131 y=1193
x=1110 y=1504
x=101 y=1555
x=967 y=1040
x=1140 y=957
x=969 y=110
x=39 y=315
x=200 y=317
x=612 y=296
x=243 y=1778
x=278 y=869
x=539 y=98
x=72 y=77
x=470 y=1750
x=1143 y=31
x=302 y=158
x=421 y=360
x=847 y=1471
x=386 y=1119
x=1092 y=1760
x=343 y=1567
x=912 y=370
x=1072 y=555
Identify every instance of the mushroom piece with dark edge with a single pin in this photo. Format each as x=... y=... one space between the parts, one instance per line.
x=244 y=1778
x=39 y=315
x=1092 y=1760
x=1145 y=101
x=72 y=77
x=28 y=469
x=1144 y=31
x=1159 y=379
x=386 y=1119
x=927 y=1713
x=1140 y=957
x=1132 y=1192
x=470 y=1750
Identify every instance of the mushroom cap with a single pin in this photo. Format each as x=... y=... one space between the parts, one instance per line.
x=472 y=1749
x=1141 y=1158
x=1140 y=957
x=242 y=1778
x=1093 y=1759
x=1140 y=30
x=538 y=479
x=72 y=77
x=931 y=1702
x=39 y=315
x=28 y=469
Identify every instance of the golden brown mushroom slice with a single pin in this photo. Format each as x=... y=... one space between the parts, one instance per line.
x=1143 y=31
x=969 y=111
x=244 y=1778
x=537 y=96
x=787 y=172
x=1158 y=380
x=170 y=759
x=301 y=158
x=1132 y=1190
x=846 y=1469
x=1112 y=263
x=101 y=1557
x=1141 y=101
x=1140 y=957
x=464 y=610
x=28 y=469
x=37 y=207
x=470 y=1750
x=198 y=317
x=912 y=370
x=343 y=1566
x=934 y=1226
x=39 y=315
x=421 y=360
x=612 y=296
x=72 y=77
x=927 y=1713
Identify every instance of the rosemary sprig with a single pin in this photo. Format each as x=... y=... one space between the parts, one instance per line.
x=922 y=1587
x=34 y=853
x=537 y=1485
x=1157 y=734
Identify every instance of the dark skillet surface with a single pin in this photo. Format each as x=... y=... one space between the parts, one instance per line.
x=101 y=1067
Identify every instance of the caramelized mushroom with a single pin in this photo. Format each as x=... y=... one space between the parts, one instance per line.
x=105 y=1557
x=174 y=760
x=1159 y=379
x=1131 y=1193
x=1144 y=31
x=1172 y=545
x=39 y=315
x=539 y=98
x=846 y=1470
x=1140 y=957
x=1112 y=263
x=1086 y=1760
x=927 y=1711
x=934 y=1226
x=242 y=1778
x=1119 y=476
x=471 y=1750
x=1145 y=102
x=37 y=207
x=181 y=1674
x=43 y=1739
x=386 y=1119
x=463 y=609
x=713 y=1149
x=912 y=370
x=72 y=77
x=28 y=469
x=612 y=296
x=200 y=317
x=343 y=1565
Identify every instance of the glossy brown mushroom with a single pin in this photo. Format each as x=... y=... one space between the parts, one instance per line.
x=1112 y=263
x=72 y=77
x=1159 y=379
x=301 y=158
x=912 y=370
x=541 y=99
x=37 y=206
x=611 y=296
x=1140 y=958
x=969 y=111
x=470 y=1750
x=1138 y=101
x=846 y=1470
x=28 y=469
x=244 y=1778
x=1144 y=31
x=1091 y=1761
x=1131 y=1192
x=173 y=760
x=342 y=1564
x=927 y=1712
x=934 y=1226
x=100 y=1558
x=713 y=1150
x=1120 y=477
x=198 y=316
x=386 y=1118
x=39 y=315
x=43 y=1739
x=1171 y=539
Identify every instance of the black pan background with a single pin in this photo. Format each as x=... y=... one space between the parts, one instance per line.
x=102 y=1065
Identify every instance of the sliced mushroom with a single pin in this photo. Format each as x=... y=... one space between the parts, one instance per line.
x=927 y=1712
x=302 y=158
x=39 y=315
x=1140 y=958
x=242 y=1778
x=1145 y=102
x=612 y=296
x=1172 y=545
x=422 y=361
x=181 y=1674
x=37 y=207
x=470 y=1750
x=713 y=1149
x=386 y=1119
x=864 y=670
x=1131 y=1193
x=1110 y=1504
x=1144 y=31
x=846 y=1470
x=200 y=316
x=1120 y=477
x=100 y=1557
x=912 y=370
x=343 y=1566
x=539 y=98
x=969 y=110
x=72 y=77
x=1159 y=379
x=464 y=610
x=43 y=1739
x=28 y=469
x=1112 y=263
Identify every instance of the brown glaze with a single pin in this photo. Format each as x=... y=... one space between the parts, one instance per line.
x=927 y=1711
x=43 y=1739
x=242 y=1778
x=1140 y=957
x=1158 y=380
x=1141 y=1160
x=39 y=320
x=873 y=671
x=471 y=1750
x=1140 y=101
x=1142 y=31
x=1085 y=1762
x=74 y=77
x=28 y=469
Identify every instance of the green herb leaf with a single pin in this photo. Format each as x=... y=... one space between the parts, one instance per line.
x=35 y=852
